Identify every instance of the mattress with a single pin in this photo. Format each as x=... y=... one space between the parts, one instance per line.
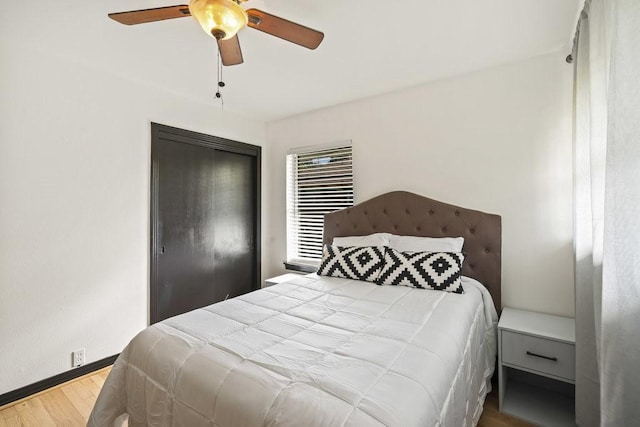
x=315 y=351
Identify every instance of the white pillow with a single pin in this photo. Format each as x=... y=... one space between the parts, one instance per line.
x=375 y=239
x=426 y=244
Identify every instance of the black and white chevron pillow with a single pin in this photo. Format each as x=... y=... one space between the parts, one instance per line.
x=350 y=262
x=425 y=270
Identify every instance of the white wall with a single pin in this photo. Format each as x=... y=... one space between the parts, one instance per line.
x=74 y=206
x=497 y=141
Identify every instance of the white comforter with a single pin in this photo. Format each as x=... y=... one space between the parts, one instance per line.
x=315 y=351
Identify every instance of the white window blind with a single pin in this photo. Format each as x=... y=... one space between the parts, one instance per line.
x=318 y=181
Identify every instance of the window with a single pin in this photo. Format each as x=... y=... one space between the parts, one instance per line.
x=319 y=181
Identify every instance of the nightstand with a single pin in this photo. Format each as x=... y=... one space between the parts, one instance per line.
x=281 y=279
x=536 y=367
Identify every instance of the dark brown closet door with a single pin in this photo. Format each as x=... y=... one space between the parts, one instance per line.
x=205 y=205
x=234 y=242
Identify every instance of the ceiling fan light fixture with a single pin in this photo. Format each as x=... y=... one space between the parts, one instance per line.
x=221 y=19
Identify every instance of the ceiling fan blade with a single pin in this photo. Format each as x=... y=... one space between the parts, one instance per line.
x=230 y=51
x=287 y=30
x=133 y=17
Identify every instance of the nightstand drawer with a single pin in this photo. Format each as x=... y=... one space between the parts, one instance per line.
x=539 y=354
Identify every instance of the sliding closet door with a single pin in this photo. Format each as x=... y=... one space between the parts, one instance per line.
x=205 y=220
x=234 y=242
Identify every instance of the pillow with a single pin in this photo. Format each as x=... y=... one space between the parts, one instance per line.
x=375 y=239
x=425 y=270
x=426 y=244
x=352 y=262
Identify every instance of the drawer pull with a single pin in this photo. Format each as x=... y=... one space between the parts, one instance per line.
x=553 y=359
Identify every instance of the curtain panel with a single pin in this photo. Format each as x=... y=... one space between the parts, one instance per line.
x=607 y=213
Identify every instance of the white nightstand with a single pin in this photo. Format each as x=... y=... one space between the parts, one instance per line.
x=536 y=357
x=281 y=279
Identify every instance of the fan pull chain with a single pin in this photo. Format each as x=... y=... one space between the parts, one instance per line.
x=220 y=82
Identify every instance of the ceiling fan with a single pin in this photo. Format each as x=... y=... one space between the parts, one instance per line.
x=222 y=19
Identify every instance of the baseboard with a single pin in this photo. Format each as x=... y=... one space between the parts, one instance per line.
x=39 y=386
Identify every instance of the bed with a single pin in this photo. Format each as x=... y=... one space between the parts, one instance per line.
x=327 y=351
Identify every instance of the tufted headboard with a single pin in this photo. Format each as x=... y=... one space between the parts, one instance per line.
x=404 y=213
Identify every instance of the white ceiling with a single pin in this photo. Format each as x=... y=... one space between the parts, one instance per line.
x=370 y=47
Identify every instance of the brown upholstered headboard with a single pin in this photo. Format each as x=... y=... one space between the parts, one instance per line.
x=404 y=213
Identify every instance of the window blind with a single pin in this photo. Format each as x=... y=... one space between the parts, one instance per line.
x=318 y=182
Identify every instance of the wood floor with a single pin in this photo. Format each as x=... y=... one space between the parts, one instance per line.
x=70 y=404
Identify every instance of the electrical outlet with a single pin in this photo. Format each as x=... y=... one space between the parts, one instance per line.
x=77 y=358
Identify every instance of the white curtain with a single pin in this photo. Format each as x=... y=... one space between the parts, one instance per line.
x=607 y=213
